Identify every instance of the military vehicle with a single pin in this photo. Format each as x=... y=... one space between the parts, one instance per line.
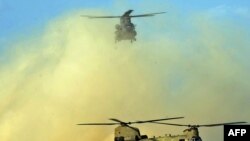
x=189 y=134
x=126 y=29
x=125 y=132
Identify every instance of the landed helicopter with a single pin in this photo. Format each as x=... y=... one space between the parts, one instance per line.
x=126 y=29
x=189 y=134
x=125 y=132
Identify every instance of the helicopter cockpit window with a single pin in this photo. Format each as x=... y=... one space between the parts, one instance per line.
x=119 y=138
x=196 y=139
x=144 y=136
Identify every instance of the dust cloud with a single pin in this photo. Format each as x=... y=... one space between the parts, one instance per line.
x=73 y=72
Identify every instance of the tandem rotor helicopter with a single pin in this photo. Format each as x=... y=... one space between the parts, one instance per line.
x=126 y=29
x=125 y=132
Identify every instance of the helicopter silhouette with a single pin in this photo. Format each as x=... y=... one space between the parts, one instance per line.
x=126 y=29
x=192 y=132
x=125 y=132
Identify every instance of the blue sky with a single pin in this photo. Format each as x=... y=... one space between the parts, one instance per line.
x=18 y=17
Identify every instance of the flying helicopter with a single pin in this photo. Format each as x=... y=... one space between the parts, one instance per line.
x=126 y=29
x=125 y=132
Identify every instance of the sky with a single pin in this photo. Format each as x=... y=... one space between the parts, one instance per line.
x=58 y=69
x=23 y=16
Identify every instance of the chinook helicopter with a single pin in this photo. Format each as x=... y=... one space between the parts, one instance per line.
x=189 y=134
x=125 y=132
x=126 y=29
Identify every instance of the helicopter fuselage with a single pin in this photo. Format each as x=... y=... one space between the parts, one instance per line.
x=129 y=133
x=172 y=138
x=125 y=30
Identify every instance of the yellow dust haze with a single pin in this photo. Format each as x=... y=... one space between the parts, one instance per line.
x=74 y=72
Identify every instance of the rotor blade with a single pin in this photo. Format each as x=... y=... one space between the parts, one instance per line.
x=91 y=17
x=170 y=124
x=220 y=124
x=117 y=120
x=204 y=125
x=156 y=120
x=97 y=123
x=146 y=15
